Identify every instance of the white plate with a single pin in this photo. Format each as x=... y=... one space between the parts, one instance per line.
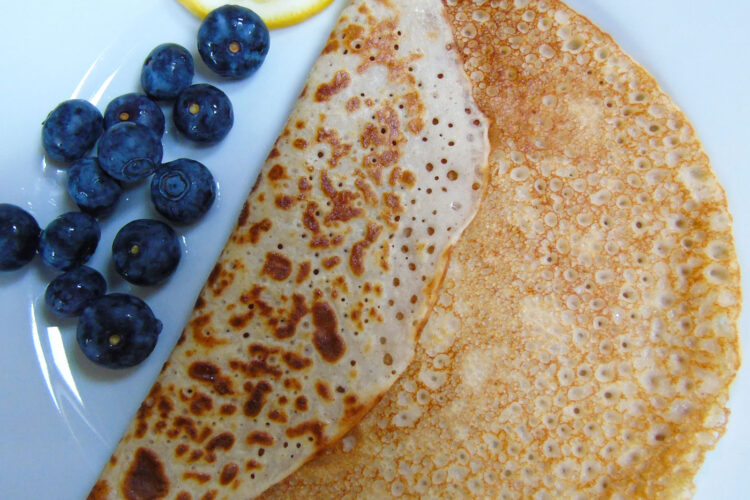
x=60 y=416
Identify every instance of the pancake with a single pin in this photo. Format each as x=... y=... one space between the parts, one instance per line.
x=585 y=337
x=313 y=309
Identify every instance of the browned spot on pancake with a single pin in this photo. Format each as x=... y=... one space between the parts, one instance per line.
x=210 y=374
x=200 y=477
x=301 y=403
x=181 y=449
x=310 y=427
x=184 y=495
x=140 y=429
x=342 y=209
x=320 y=242
x=302 y=272
x=257 y=400
x=200 y=404
x=309 y=219
x=295 y=361
x=304 y=184
x=394 y=177
x=259 y=437
x=195 y=455
x=256 y=368
x=252 y=465
x=323 y=390
x=356 y=257
x=353 y=104
x=201 y=333
x=284 y=202
x=393 y=201
x=227 y=409
x=100 y=491
x=225 y=441
x=228 y=473
x=277 y=266
x=145 y=478
x=257 y=228
x=326 y=338
x=300 y=143
x=211 y=495
x=299 y=310
x=292 y=384
x=367 y=191
x=338 y=149
x=219 y=279
x=239 y=321
x=325 y=91
x=408 y=178
x=200 y=303
x=244 y=214
x=274 y=153
x=214 y=274
x=278 y=416
x=277 y=172
x=331 y=46
x=331 y=262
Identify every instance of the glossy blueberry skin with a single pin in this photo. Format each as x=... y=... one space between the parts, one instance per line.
x=19 y=237
x=135 y=108
x=146 y=252
x=183 y=190
x=71 y=130
x=203 y=113
x=69 y=240
x=233 y=41
x=129 y=152
x=95 y=192
x=69 y=293
x=167 y=71
x=117 y=331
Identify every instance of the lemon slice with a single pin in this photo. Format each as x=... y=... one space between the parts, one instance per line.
x=275 y=13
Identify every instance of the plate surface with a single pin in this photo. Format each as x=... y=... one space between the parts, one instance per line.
x=61 y=416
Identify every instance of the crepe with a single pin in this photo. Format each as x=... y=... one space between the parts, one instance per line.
x=313 y=309
x=586 y=333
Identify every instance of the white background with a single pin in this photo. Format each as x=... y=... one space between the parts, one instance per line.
x=60 y=416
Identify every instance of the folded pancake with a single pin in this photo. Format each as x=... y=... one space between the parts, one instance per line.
x=585 y=336
x=313 y=309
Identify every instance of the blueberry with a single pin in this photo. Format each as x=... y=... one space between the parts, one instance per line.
x=71 y=130
x=69 y=293
x=203 y=113
x=135 y=108
x=129 y=151
x=19 y=236
x=117 y=331
x=91 y=188
x=167 y=71
x=183 y=190
x=146 y=251
x=233 y=41
x=69 y=240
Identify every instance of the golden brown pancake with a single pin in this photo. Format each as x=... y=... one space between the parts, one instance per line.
x=313 y=309
x=585 y=336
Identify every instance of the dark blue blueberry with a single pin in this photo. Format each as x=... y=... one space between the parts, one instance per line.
x=19 y=237
x=233 y=41
x=91 y=188
x=71 y=130
x=203 y=113
x=69 y=293
x=167 y=71
x=183 y=190
x=135 y=108
x=146 y=251
x=117 y=331
x=129 y=151
x=69 y=240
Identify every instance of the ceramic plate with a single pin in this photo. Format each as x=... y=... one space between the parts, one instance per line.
x=60 y=415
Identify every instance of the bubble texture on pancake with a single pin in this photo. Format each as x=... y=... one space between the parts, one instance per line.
x=585 y=336
x=313 y=309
